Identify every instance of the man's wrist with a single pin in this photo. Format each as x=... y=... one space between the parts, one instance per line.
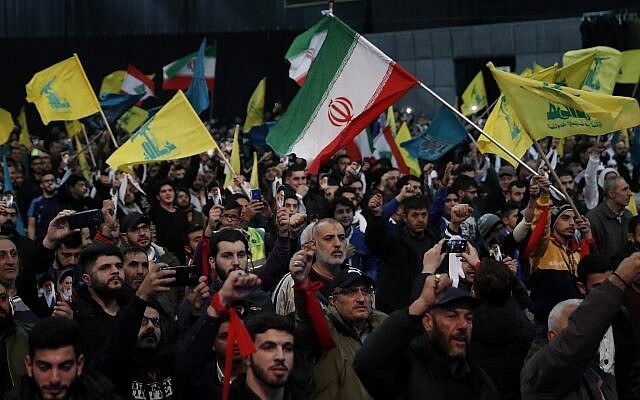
x=48 y=243
x=418 y=308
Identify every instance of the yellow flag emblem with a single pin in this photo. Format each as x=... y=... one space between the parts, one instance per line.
x=474 y=97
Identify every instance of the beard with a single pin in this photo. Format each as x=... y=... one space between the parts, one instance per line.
x=103 y=289
x=7 y=229
x=263 y=376
x=443 y=342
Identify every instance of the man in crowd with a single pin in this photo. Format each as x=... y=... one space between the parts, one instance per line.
x=135 y=231
x=43 y=209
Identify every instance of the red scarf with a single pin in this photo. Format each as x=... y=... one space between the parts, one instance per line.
x=317 y=316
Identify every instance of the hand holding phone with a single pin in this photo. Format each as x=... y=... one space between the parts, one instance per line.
x=454 y=246
x=84 y=219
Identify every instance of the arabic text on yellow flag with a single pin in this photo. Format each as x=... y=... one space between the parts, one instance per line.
x=474 y=97
x=82 y=159
x=255 y=107
x=24 y=137
x=235 y=159
x=575 y=73
x=131 y=120
x=503 y=125
x=630 y=69
x=62 y=92
x=112 y=83
x=6 y=125
x=74 y=128
x=546 y=109
x=402 y=136
x=255 y=183
x=174 y=132
x=603 y=72
x=391 y=121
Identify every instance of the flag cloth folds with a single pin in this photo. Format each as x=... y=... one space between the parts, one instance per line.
x=62 y=92
x=404 y=136
x=474 y=97
x=304 y=49
x=630 y=69
x=234 y=161
x=24 y=137
x=547 y=109
x=131 y=120
x=197 y=93
x=174 y=132
x=255 y=107
x=349 y=84
x=74 y=128
x=574 y=74
x=135 y=82
x=442 y=135
x=112 y=83
x=178 y=74
x=391 y=121
x=113 y=106
x=603 y=72
x=503 y=124
x=386 y=147
x=6 y=125
x=82 y=159
x=255 y=183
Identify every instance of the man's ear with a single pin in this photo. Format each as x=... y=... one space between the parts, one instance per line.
x=551 y=335
x=187 y=250
x=86 y=278
x=427 y=323
x=582 y=288
x=28 y=365
x=80 y=362
x=124 y=238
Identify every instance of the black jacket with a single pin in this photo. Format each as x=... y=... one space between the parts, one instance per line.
x=398 y=362
x=85 y=387
x=566 y=367
x=402 y=256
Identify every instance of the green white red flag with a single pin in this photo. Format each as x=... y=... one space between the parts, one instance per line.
x=348 y=85
x=135 y=82
x=304 y=49
x=178 y=74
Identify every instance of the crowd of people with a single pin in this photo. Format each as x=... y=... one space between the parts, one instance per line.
x=474 y=280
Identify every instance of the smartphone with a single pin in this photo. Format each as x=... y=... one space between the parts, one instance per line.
x=186 y=275
x=84 y=219
x=454 y=246
x=255 y=194
x=495 y=252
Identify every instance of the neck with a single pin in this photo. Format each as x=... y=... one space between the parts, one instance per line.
x=325 y=270
x=615 y=207
x=263 y=391
x=168 y=207
x=108 y=305
x=48 y=195
x=359 y=326
x=560 y=238
x=236 y=368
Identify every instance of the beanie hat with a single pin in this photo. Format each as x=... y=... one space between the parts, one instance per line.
x=557 y=210
x=487 y=222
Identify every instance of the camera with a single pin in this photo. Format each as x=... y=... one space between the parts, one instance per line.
x=454 y=246
x=186 y=275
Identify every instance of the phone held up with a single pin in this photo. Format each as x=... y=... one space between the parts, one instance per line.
x=454 y=246
x=84 y=219
x=186 y=275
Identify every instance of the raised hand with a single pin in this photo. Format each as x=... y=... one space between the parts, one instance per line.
x=237 y=286
x=300 y=265
x=433 y=286
x=155 y=282
x=58 y=229
x=375 y=204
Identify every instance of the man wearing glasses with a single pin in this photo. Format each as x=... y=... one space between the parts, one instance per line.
x=135 y=231
x=350 y=317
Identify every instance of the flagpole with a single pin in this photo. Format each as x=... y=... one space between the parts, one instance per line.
x=485 y=112
x=106 y=123
x=231 y=170
x=473 y=124
x=86 y=138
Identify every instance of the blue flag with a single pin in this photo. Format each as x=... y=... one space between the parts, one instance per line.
x=113 y=105
x=8 y=188
x=197 y=93
x=445 y=132
x=258 y=135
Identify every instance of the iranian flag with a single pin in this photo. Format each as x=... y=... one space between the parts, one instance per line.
x=349 y=84
x=135 y=82
x=304 y=49
x=178 y=74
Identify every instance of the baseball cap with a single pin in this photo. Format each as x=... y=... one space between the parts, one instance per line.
x=453 y=297
x=349 y=276
x=131 y=220
x=507 y=170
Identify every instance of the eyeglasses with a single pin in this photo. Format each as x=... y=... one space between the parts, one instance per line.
x=154 y=321
x=231 y=217
x=138 y=229
x=353 y=290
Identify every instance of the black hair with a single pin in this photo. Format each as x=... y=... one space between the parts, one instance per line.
x=592 y=264
x=564 y=172
x=131 y=250
x=294 y=168
x=227 y=235
x=633 y=224
x=231 y=204
x=190 y=229
x=342 y=201
x=71 y=241
x=91 y=253
x=73 y=179
x=415 y=203
x=263 y=322
x=289 y=193
x=519 y=184
x=162 y=183
x=54 y=333
x=344 y=189
x=405 y=180
x=493 y=282
x=464 y=182
x=237 y=196
x=462 y=168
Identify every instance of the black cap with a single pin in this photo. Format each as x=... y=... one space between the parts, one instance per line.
x=347 y=277
x=131 y=220
x=453 y=297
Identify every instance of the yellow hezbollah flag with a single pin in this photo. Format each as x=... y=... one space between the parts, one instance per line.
x=255 y=107
x=391 y=121
x=112 y=83
x=474 y=97
x=235 y=159
x=537 y=67
x=62 y=92
x=74 y=128
x=630 y=69
x=174 y=132
x=6 y=125
x=547 y=109
x=410 y=162
x=254 y=172
x=574 y=74
x=131 y=120
x=503 y=125
x=24 y=137
x=82 y=159
x=603 y=72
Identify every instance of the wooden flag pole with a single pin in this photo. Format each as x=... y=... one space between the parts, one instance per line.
x=86 y=138
x=106 y=123
x=476 y=127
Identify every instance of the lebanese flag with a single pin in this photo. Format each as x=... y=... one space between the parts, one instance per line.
x=349 y=84
x=178 y=74
x=135 y=82
x=304 y=49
